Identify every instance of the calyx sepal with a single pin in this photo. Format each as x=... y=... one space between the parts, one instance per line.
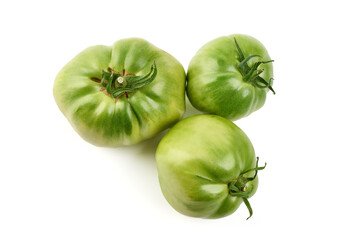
x=119 y=83
x=252 y=74
x=240 y=188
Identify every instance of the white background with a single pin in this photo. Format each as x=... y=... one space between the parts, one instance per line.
x=54 y=185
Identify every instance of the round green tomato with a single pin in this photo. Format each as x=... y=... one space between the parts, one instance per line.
x=230 y=76
x=121 y=94
x=206 y=167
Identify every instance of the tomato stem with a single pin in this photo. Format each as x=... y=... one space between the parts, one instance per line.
x=240 y=188
x=252 y=74
x=246 y=201
x=121 y=83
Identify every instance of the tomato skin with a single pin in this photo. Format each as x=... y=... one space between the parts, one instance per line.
x=215 y=84
x=104 y=121
x=196 y=161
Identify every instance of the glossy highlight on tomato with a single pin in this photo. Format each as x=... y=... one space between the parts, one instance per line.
x=121 y=94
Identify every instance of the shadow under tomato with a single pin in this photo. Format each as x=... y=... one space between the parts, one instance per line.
x=148 y=147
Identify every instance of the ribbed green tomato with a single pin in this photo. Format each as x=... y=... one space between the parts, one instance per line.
x=123 y=94
x=230 y=76
x=206 y=167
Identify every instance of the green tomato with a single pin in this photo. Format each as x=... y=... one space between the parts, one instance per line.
x=230 y=76
x=123 y=94
x=207 y=167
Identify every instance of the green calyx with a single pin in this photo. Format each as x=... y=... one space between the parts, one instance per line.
x=117 y=84
x=240 y=187
x=252 y=74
